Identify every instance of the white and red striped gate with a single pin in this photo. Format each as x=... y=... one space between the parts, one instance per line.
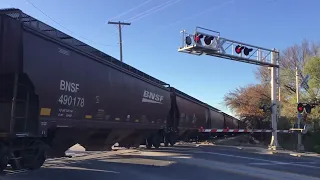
x=242 y=130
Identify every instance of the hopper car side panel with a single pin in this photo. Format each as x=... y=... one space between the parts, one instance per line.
x=235 y=123
x=229 y=122
x=217 y=119
x=241 y=125
x=10 y=45
x=83 y=89
x=192 y=114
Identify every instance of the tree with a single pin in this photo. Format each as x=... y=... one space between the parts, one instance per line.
x=290 y=58
x=246 y=102
x=312 y=68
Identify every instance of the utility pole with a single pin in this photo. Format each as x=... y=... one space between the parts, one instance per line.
x=120 y=34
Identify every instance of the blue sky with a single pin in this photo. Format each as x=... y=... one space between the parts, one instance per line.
x=150 y=43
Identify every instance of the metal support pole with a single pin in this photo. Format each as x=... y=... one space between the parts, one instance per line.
x=299 y=145
x=279 y=89
x=274 y=139
x=120 y=34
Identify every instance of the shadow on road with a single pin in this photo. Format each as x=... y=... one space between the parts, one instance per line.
x=135 y=166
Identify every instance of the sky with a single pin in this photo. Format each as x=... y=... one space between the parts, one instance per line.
x=151 y=42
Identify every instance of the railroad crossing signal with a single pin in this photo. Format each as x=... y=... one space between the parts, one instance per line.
x=307 y=107
x=238 y=49
x=266 y=108
x=300 y=108
x=208 y=42
x=225 y=48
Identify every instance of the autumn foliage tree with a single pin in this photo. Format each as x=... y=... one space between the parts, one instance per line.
x=246 y=102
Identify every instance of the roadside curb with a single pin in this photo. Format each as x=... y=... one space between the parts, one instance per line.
x=297 y=154
x=187 y=145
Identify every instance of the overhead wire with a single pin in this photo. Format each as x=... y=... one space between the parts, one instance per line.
x=193 y=16
x=199 y=14
x=145 y=13
x=130 y=10
x=28 y=1
x=126 y=12
x=154 y=9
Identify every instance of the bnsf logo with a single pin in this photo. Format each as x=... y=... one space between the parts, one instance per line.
x=151 y=97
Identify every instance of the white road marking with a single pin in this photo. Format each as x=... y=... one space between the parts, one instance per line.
x=236 y=168
x=284 y=163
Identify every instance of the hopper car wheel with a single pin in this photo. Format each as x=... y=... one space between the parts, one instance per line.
x=37 y=160
x=166 y=144
x=166 y=140
x=156 y=141
x=149 y=143
x=4 y=158
x=172 y=139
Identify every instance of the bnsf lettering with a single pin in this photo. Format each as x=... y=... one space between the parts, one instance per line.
x=153 y=96
x=69 y=86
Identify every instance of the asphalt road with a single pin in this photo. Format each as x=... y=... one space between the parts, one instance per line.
x=187 y=163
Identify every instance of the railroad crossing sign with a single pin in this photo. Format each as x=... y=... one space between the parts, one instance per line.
x=304 y=83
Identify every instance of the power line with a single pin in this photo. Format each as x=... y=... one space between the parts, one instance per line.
x=193 y=16
x=62 y=25
x=145 y=13
x=200 y=14
x=126 y=12
x=155 y=11
x=149 y=10
x=120 y=34
x=132 y=9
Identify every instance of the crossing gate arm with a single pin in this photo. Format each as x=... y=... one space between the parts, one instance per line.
x=243 y=130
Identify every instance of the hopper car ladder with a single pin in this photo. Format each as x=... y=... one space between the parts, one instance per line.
x=20 y=102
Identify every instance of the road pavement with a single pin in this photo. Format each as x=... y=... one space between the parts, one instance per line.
x=174 y=163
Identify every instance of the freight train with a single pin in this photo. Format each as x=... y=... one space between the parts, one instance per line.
x=56 y=91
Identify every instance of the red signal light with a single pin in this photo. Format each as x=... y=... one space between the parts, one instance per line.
x=198 y=37
x=300 y=107
x=238 y=49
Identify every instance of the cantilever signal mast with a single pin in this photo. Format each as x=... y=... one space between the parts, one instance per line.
x=120 y=33
x=208 y=42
